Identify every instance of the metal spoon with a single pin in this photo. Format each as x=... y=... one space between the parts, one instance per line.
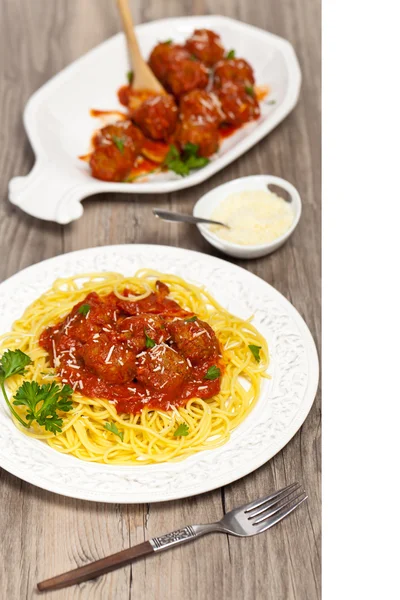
x=166 y=215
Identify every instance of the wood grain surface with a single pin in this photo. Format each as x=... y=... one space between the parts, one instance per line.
x=43 y=534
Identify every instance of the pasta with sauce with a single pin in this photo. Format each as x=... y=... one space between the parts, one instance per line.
x=159 y=369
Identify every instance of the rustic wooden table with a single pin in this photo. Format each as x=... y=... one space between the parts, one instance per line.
x=43 y=534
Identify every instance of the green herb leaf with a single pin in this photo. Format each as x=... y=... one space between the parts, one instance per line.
x=167 y=41
x=189 y=159
x=191 y=319
x=249 y=90
x=193 y=57
x=270 y=102
x=182 y=430
x=119 y=142
x=84 y=309
x=174 y=162
x=149 y=342
x=113 y=428
x=43 y=402
x=212 y=373
x=129 y=77
x=197 y=162
x=230 y=54
x=173 y=153
x=179 y=167
x=13 y=362
x=190 y=149
x=255 y=351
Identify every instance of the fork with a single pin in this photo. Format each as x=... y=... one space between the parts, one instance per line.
x=245 y=521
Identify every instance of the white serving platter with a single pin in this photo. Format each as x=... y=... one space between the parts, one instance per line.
x=283 y=405
x=59 y=126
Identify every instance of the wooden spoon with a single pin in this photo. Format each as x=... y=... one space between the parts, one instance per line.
x=144 y=78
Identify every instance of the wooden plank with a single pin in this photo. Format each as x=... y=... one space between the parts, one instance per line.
x=50 y=533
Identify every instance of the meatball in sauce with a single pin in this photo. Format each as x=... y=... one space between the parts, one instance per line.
x=146 y=353
x=206 y=46
x=208 y=95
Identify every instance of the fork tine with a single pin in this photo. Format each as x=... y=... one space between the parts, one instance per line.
x=270 y=503
x=282 y=513
x=249 y=507
x=270 y=513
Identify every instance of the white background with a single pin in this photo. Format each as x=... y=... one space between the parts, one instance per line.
x=361 y=299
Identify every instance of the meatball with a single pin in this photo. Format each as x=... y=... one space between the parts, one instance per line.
x=236 y=70
x=238 y=103
x=157 y=117
x=206 y=46
x=163 y=56
x=155 y=303
x=200 y=133
x=201 y=103
x=112 y=163
x=161 y=368
x=135 y=329
x=121 y=133
x=194 y=339
x=83 y=325
x=112 y=362
x=186 y=75
x=133 y=98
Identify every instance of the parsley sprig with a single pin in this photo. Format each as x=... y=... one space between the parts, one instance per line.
x=213 y=373
x=230 y=54
x=182 y=163
x=13 y=362
x=84 y=309
x=149 y=342
x=250 y=90
x=181 y=430
x=255 y=350
x=42 y=401
x=119 y=142
x=114 y=429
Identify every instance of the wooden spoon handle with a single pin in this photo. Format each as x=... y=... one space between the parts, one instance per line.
x=143 y=77
x=96 y=568
x=127 y=22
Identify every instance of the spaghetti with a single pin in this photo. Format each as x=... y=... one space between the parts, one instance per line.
x=126 y=424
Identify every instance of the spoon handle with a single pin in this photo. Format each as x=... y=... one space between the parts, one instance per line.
x=166 y=215
x=143 y=76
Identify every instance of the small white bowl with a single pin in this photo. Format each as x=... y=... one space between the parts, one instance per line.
x=206 y=205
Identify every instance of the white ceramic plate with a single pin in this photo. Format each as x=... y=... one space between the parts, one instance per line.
x=59 y=126
x=281 y=409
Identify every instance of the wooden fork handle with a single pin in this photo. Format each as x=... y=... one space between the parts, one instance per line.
x=120 y=559
x=96 y=568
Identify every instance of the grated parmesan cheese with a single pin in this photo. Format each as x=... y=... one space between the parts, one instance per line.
x=254 y=217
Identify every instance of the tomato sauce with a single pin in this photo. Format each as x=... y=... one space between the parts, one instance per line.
x=262 y=91
x=228 y=130
x=94 y=112
x=142 y=166
x=155 y=151
x=149 y=352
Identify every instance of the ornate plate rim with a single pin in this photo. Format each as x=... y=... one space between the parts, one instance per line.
x=71 y=477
